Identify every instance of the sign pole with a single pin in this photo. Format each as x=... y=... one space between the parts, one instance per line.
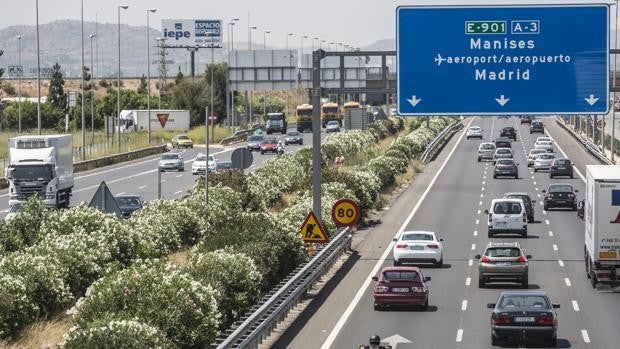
x=316 y=132
x=207 y=146
x=158 y=184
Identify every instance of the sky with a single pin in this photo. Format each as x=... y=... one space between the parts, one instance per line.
x=354 y=22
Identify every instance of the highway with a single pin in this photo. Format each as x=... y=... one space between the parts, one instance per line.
x=450 y=198
x=140 y=176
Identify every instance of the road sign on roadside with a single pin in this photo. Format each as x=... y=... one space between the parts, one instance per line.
x=105 y=201
x=72 y=97
x=241 y=158
x=312 y=231
x=503 y=59
x=16 y=71
x=600 y=124
x=345 y=212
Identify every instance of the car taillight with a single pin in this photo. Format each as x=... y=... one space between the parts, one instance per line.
x=418 y=289
x=402 y=246
x=432 y=246
x=546 y=320
x=381 y=289
x=490 y=218
x=485 y=259
x=524 y=217
x=521 y=259
x=500 y=319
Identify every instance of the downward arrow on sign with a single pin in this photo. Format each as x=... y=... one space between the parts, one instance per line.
x=414 y=101
x=502 y=101
x=591 y=100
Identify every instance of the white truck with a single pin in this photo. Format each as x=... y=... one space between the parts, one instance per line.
x=161 y=120
x=602 y=224
x=43 y=166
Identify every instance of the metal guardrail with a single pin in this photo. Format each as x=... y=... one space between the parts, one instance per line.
x=591 y=147
x=263 y=318
x=435 y=144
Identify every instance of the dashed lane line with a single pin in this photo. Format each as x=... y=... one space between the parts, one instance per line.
x=473 y=247
x=585 y=336
x=555 y=247
x=546 y=221
x=477 y=221
x=561 y=263
x=459 y=335
x=475 y=233
x=468 y=281
x=567 y=282
x=464 y=305
x=141 y=187
x=179 y=176
x=575 y=305
x=470 y=263
x=550 y=233
x=178 y=192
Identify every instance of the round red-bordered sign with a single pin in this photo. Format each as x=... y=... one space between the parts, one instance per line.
x=345 y=212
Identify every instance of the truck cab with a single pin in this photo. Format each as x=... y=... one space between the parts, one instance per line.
x=304 y=117
x=275 y=122
x=330 y=112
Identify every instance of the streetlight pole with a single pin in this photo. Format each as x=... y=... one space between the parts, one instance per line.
x=148 y=69
x=265 y=32
x=118 y=79
x=82 y=69
x=288 y=52
x=321 y=44
x=19 y=84
x=301 y=65
x=251 y=114
x=92 y=94
x=313 y=43
x=38 y=74
x=230 y=98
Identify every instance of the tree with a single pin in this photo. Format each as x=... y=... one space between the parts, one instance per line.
x=193 y=96
x=179 y=77
x=219 y=85
x=142 y=89
x=56 y=95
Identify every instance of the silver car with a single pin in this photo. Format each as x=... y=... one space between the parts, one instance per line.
x=531 y=157
x=503 y=262
x=474 y=132
x=170 y=162
x=486 y=151
x=502 y=153
x=543 y=162
x=332 y=126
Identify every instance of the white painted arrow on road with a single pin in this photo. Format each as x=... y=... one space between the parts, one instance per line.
x=502 y=101
x=414 y=101
x=394 y=340
x=591 y=100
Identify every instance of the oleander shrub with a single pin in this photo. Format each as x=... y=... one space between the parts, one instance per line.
x=224 y=204
x=183 y=221
x=23 y=229
x=158 y=294
x=365 y=185
x=126 y=334
x=17 y=309
x=234 y=275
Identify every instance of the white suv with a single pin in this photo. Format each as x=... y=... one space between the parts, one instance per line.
x=507 y=216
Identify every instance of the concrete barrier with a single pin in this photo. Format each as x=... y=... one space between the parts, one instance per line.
x=108 y=160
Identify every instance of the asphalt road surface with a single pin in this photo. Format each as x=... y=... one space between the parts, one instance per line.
x=450 y=199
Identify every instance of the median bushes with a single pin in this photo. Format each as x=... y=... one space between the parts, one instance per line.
x=117 y=334
x=23 y=229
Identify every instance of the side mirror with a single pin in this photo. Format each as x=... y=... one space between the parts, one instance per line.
x=543 y=191
x=576 y=191
x=394 y=239
x=427 y=278
x=374 y=278
x=491 y=305
x=486 y=211
x=477 y=256
x=529 y=256
x=533 y=201
x=556 y=305
x=441 y=240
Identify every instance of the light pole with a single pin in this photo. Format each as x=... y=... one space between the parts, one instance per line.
x=329 y=46
x=313 y=43
x=92 y=94
x=250 y=28
x=230 y=98
x=339 y=44
x=321 y=44
x=38 y=74
x=290 y=58
x=148 y=70
x=613 y=104
x=265 y=32
x=251 y=114
x=19 y=84
x=83 y=69
x=118 y=79
x=301 y=66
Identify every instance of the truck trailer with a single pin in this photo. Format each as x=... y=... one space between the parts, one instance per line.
x=42 y=166
x=602 y=224
x=161 y=120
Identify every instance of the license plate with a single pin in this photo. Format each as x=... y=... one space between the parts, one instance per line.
x=400 y=289
x=417 y=247
x=503 y=264
x=561 y=168
x=524 y=319
x=560 y=201
x=500 y=224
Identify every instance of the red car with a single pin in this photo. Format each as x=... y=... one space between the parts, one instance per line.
x=269 y=145
x=401 y=286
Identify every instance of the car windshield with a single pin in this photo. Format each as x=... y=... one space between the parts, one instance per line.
x=560 y=188
x=201 y=158
x=128 y=201
x=525 y=198
x=182 y=137
x=537 y=151
x=503 y=151
x=509 y=302
x=293 y=134
x=270 y=141
x=224 y=164
x=255 y=138
x=502 y=252
x=562 y=162
x=545 y=157
x=333 y=123
x=487 y=146
x=417 y=236
x=401 y=275
x=31 y=173
x=505 y=162
x=474 y=128
x=507 y=208
x=170 y=157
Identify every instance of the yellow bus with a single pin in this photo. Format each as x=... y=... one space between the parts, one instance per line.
x=330 y=111
x=304 y=117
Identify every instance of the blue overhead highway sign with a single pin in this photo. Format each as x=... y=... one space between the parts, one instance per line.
x=496 y=59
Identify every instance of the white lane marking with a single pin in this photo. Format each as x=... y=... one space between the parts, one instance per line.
x=533 y=177
x=141 y=187
x=121 y=193
x=567 y=282
x=464 y=305
x=550 y=233
x=471 y=262
x=482 y=188
x=475 y=233
x=555 y=247
x=477 y=221
x=576 y=169
x=484 y=177
x=536 y=189
x=546 y=221
x=561 y=263
x=179 y=176
x=484 y=182
x=459 y=335
x=534 y=183
x=329 y=341
x=584 y=334
x=478 y=212
x=468 y=281
x=544 y=212
x=473 y=246
x=479 y=203
x=178 y=192
x=481 y=195
x=539 y=197
x=575 y=305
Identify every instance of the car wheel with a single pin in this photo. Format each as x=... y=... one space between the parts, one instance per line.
x=182 y=169
x=440 y=263
x=553 y=342
x=425 y=305
x=550 y=176
x=378 y=307
x=524 y=234
x=545 y=207
x=575 y=208
x=478 y=159
x=481 y=283
x=525 y=283
x=494 y=341
x=490 y=235
x=517 y=175
x=301 y=143
x=530 y=219
x=535 y=169
x=262 y=152
x=494 y=176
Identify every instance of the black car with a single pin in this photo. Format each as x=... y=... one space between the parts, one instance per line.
x=537 y=127
x=502 y=142
x=129 y=204
x=293 y=137
x=560 y=195
x=505 y=168
x=526 y=119
x=508 y=132
x=561 y=167
x=527 y=201
x=524 y=315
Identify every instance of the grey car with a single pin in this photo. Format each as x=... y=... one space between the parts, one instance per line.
x=293 y=137
x=503 y=262
x=332 y=126
x=129 y=204
x=171 y=162
x=254 y=142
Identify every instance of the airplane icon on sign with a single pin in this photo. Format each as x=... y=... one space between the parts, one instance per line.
x=439 y=60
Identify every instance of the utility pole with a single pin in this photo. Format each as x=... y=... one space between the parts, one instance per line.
x=92 y=96
x=38 y=74
x=148 y=70
x=83 y=95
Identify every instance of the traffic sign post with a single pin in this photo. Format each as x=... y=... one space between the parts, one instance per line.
x=345 y=212
x=503 y=59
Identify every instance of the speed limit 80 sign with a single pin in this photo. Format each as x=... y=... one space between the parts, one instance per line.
x=345 y=212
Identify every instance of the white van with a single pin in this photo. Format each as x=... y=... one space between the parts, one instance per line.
x=507 y=216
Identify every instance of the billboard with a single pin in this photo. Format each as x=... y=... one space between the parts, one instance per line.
x=192 y=32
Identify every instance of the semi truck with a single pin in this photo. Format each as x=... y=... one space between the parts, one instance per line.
x=275 y=122
x=602 y=224
x=304 y=117
x=161 y=120
x=330 y=112
x=42 y=166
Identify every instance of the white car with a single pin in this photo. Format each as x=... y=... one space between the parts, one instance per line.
x=486 y=151
x=507 y=216
x=546 y=145
x=418 y=247
x=502 y=153
x=531 y=157
x=543 y=162
x=544 y=138
x=474 y=132
x=199 y=166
